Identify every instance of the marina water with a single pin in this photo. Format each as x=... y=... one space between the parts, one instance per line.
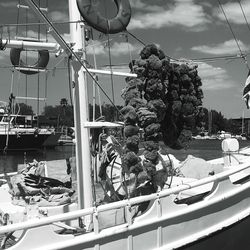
x=206 y=149
x=10 y=161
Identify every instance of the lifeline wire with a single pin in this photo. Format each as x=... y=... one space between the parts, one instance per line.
x=18 y=14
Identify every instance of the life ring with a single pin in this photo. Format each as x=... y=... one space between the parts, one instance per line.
x=92 y=16
x=41 y=63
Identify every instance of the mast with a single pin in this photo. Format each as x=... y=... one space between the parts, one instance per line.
x=210 y=122
x=242 y=122
x=83 y=158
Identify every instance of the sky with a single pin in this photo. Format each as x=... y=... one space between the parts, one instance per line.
x=183 y=29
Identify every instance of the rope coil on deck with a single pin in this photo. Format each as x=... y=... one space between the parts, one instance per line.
x=41 y=63
x=91 y=15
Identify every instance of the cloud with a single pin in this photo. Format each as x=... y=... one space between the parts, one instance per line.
x=233 y=12
x=58 y=16
x=228 y=47
x=8 y=4
x=139 y=5
x=117 y=49
x=4 y=55
x=214 y=78
x=185 y=13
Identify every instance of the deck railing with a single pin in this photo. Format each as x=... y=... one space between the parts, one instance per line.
x=122 y=204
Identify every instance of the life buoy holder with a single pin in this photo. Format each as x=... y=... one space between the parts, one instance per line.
x=42 y=62
x=92 y=16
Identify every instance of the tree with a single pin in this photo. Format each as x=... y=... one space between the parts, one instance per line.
x=65 y=119
x=64 y=102
x=23 y=109
x=109 y=112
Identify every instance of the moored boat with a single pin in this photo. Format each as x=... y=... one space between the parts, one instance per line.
x=15 y=136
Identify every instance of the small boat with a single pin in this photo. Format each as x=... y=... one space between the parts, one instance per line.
x=65 y=140
x=198 y=203
x=53 y=140
x=15 y=134
x=67 y=137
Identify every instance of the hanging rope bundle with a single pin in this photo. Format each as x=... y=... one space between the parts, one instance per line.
x=165 y=102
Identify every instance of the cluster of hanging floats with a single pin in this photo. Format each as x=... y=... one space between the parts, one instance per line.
x=165 y=102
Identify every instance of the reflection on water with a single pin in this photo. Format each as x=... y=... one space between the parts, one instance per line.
x=12 y=159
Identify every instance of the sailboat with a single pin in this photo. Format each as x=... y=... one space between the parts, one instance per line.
x=189 y=213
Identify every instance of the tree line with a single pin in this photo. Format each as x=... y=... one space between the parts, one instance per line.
x=63 y=115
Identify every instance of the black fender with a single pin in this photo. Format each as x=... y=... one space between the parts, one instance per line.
x=41 y=63
x=91 y=15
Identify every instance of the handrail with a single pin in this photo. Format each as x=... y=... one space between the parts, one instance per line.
x=119 y=204
x=8 y=174
x=30 y=45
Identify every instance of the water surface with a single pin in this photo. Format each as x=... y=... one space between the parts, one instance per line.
x=206 y=149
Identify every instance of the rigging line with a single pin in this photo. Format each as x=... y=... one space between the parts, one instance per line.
x=26 y=76
x=110 y=60
x=69 y=81
x=136 y=38
x=217 y=57
x=144 y=44
x=97 y=44
x=18 y=14
x=243 y=12
x=35 y=24
x=18 y=88
x=94 y=86
x=55 y=66
x=12 y=81
x=46 y=31
x=46 y=87
x=111 y=71
x=230 y=27
x=96 y=76
x=130 y=53
x=214 y=59
x=38 y=75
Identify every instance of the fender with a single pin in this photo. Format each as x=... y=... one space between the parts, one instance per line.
x=91 y=15
x=41 y=63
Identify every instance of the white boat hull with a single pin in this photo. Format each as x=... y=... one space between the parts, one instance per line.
x=165 y=225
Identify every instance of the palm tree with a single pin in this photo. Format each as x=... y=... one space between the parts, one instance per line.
x=64 y=102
